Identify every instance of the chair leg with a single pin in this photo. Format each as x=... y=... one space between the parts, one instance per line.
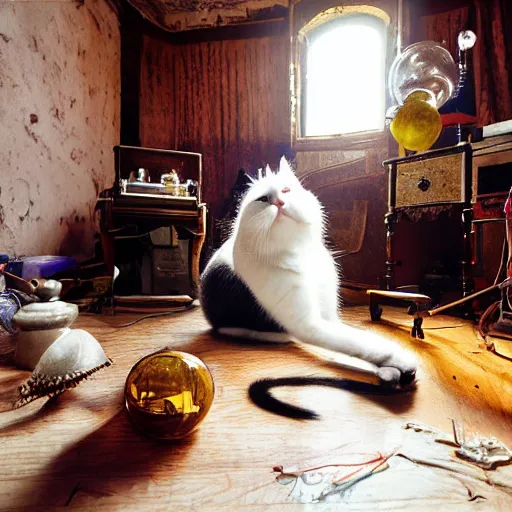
x=417 y=331
x=375 y=311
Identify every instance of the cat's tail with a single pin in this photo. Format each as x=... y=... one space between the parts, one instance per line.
x=260 y=393
x=249 y=334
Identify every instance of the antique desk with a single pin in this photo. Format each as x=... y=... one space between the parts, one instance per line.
x=147 y=212
x=474 y=178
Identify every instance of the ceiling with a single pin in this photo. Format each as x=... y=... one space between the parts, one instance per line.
x=178 y=15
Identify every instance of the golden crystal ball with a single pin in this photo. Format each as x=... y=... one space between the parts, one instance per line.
x=420 y=95
x=417 y=125
x=168 y=394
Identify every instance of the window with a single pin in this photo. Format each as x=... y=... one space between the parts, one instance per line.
x=342 y=73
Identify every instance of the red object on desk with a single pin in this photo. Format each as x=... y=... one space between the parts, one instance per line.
x=456 y=118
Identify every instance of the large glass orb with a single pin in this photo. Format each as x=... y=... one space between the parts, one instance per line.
x=426 y=66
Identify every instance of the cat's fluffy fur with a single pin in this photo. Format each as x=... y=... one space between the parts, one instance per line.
x=275 y=280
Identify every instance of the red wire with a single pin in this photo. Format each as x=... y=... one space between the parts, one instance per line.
x=379 y=458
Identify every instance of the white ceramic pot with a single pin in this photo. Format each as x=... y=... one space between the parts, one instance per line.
x=31 y=345
x=40 y=324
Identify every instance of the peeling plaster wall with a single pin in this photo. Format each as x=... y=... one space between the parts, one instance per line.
x=59 y=119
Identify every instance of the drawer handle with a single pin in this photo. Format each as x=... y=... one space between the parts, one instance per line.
x=424 y=184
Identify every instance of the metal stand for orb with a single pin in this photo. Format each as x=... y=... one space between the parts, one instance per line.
x=419 y=308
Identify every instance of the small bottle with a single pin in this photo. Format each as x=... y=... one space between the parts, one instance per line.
x=144 y=175
x=192 y=188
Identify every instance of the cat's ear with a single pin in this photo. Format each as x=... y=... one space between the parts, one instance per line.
x=285 y=168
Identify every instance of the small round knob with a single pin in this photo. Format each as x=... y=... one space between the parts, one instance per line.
x=424 y=184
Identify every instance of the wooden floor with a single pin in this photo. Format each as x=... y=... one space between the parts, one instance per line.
x=82 y=450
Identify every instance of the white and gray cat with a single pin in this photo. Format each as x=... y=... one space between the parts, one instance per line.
x=275 y=280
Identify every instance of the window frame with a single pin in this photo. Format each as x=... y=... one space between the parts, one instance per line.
x=298 y=58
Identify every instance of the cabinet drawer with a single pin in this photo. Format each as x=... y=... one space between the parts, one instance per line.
x=436 y=180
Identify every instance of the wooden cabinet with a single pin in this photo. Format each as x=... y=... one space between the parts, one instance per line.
x=473 y=178
x=437 y=180
x=148 y=212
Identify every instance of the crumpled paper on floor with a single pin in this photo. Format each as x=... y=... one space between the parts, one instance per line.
x=422 y=473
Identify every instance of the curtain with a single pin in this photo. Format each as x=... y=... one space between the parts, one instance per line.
x=491 y=20
x=227 y=99
x=493 y=60
x=445 y=27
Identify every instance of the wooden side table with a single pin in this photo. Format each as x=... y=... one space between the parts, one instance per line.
x=437 y=178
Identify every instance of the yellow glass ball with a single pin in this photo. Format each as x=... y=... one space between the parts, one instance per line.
x=419 y=95
x=168 y=394
x=417 y=125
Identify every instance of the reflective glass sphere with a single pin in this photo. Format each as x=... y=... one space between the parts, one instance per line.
x=168 y=394
x=426 y=66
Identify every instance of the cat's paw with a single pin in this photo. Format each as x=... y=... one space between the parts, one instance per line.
x=399 y=370
x=389 y=376
x=393 y=378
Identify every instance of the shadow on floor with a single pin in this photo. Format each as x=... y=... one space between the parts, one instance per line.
x=113 y=451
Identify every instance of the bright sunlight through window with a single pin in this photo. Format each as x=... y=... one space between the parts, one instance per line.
x=345 y=82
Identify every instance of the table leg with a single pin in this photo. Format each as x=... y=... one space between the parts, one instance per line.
x=107 y=240
x=467 y=264
x=107 y=243
x=195 y=253
x=389 y=278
